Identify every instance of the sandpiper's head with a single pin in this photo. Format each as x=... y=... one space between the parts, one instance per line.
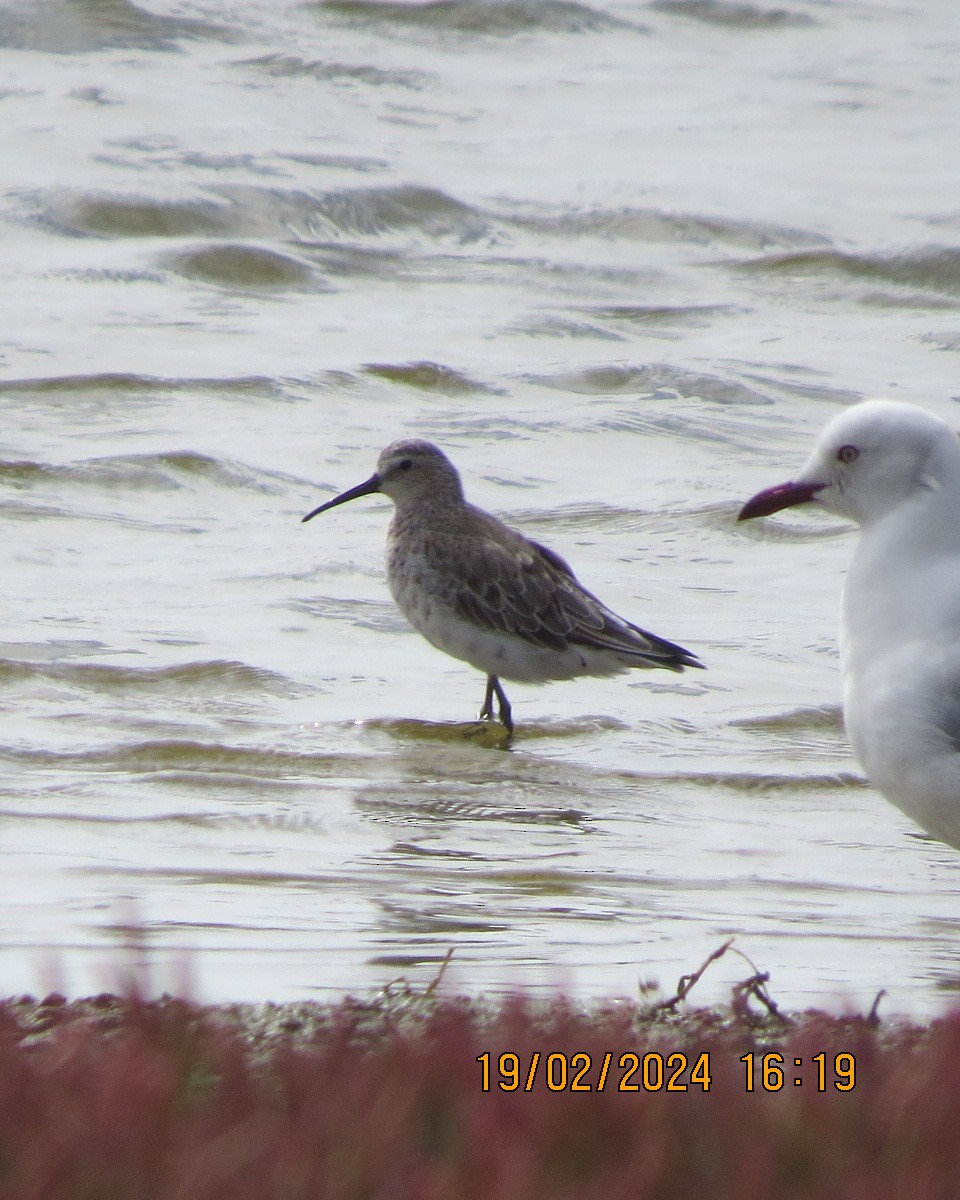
x=412 y=471
x=409 y=472
x=868 y=460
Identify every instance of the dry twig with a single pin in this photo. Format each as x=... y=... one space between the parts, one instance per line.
x=687 y=982
x=873 y=1016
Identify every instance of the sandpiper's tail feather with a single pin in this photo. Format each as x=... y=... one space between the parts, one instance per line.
x=673 y=656
x=596 y=627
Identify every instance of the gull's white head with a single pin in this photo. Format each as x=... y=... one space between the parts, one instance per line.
x=869 y=460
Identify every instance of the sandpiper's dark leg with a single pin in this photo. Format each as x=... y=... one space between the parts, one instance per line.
x=486 y=712
x=506 y=713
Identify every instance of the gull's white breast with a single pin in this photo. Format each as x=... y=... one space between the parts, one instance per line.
x=900 y=648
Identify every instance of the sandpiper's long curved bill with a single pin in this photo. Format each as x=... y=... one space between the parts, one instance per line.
x=362 y=489
x=773 y=499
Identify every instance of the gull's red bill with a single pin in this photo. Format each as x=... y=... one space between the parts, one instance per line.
x=783 y=495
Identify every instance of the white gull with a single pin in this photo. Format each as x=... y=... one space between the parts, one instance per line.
x=894 y=469
x=482 y=592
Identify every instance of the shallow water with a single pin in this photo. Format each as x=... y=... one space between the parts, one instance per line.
x=622 y=261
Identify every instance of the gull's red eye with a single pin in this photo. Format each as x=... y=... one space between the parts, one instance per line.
x=848 y=454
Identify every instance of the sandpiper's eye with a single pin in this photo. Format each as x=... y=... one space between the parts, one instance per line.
x=405 y=464
x=848 y=454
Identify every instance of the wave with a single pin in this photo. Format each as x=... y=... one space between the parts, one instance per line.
x=295 y=215
x=196 y=678
x=733 y=15
x=83 y=26
x=302 y=215
x=429 y=377
x=655 y=225
x=929 y=268
x=501 y=18
x=238 y=266
x=651 y=381
x=144 y=472
x=123 y=382
x=178 y=758
x=291 y=66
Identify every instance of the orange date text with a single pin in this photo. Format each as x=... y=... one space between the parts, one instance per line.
x=581 y=1072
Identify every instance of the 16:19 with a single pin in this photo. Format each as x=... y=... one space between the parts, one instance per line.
x=769 y=1070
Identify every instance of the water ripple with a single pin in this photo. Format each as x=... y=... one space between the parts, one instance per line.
x=82 y=26
x=489 y=17
x=931 y=268
x=199 y=678
x=734 y=16
x=292 y=66
x=142 y=472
